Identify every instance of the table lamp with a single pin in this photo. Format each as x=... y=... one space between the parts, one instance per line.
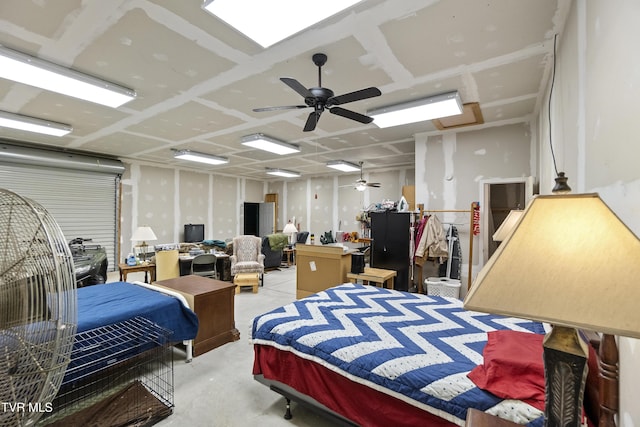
x=291 y=230
x=143 y=234
x=571 y=262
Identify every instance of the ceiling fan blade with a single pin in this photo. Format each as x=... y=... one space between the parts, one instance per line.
x=374 y=184
x=351 y=115
x=312 y=121
x=283 y=107
x=297 y=86
x=369 y=92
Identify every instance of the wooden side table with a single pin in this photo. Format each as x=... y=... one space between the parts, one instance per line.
x=476 y=418
x=374 y=275
x=289 y=256
x=213 y=302
x=147 y=268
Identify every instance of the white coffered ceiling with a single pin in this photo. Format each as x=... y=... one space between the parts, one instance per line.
x=198 y=80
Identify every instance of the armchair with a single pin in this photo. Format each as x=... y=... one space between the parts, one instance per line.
x=247 y=255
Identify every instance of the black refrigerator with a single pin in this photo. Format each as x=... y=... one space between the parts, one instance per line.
x=391 y=234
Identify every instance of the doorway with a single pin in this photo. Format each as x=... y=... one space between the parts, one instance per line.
x=499 y=196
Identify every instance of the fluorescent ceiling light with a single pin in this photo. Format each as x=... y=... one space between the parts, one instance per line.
x=267 y=22
x=434 y=107
x=283 y=173
x=263 y=142
x=343 y=166
x=32 y=124
x=32 y=71
x=200 y=157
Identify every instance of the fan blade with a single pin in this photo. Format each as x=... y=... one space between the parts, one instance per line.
x=369 y=92
x=374 y=184
x=297 y=86
x=312 y=121
x=283 y=107
x=351 y=115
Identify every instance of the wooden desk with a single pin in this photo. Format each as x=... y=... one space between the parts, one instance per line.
x=374 y=275
x=223 y=265
x=213 y=302
x=477 y=418
x=147 y=268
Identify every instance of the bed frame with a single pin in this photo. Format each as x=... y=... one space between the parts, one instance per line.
x=601 y=390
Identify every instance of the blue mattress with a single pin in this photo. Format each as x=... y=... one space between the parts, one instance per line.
x=109 y=303
x=118 y=321
x=414 y=347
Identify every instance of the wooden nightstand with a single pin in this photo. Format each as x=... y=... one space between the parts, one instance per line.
x=477 y=418
x=212 y=301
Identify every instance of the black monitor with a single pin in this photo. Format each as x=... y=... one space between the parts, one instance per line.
x=193 y=233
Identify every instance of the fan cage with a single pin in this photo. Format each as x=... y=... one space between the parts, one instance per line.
x=37 y=309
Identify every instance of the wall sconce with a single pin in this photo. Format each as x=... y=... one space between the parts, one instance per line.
x=272 y=145
x=433 y=107
x=32 y=71
x=200 y=157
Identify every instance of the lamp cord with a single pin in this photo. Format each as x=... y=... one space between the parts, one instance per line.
x=553 y=79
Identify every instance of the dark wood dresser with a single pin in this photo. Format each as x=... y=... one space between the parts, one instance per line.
x=477 y=418
x=213 y=302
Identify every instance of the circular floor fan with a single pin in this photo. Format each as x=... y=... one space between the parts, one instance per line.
x=37 y=309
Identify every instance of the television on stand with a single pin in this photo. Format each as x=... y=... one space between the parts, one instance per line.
x=193 y=233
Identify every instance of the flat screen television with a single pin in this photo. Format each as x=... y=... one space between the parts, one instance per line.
x=193 y=233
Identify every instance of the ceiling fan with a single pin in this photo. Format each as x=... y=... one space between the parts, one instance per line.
x=362 y=184
x=321 y=98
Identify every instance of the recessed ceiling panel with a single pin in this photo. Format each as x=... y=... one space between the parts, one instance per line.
x=157 y=62
x=184 y=122
x=450 y=33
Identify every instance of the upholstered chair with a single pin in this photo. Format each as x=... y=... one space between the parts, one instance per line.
x=247 y=255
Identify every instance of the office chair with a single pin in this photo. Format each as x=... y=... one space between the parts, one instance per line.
x=204 y=265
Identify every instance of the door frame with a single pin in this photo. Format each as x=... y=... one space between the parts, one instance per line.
x=485 y=197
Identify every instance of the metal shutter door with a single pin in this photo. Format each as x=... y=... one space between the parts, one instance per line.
x=83 y=203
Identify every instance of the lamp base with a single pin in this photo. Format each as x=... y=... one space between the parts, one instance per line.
x=565 y=365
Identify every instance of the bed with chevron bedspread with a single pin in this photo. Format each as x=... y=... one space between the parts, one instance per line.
x=376 y=356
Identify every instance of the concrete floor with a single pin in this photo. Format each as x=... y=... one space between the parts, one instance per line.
x=217 y=388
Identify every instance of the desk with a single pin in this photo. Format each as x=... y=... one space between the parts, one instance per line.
x=147 y=268
x=223 y=265
x=213 y=302
x=375 y=275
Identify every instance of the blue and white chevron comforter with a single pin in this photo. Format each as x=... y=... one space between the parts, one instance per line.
x=414 y=347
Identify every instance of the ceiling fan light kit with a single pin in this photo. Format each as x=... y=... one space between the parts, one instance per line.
x=200 y=157
x=283 y=173
x=32 y=124
x=269 y=23
x=433 y=107
x=343 y=166
x=320 y=98
x=272 y=145
x=32 y=71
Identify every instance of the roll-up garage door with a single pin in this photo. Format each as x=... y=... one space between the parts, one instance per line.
x=83 y=202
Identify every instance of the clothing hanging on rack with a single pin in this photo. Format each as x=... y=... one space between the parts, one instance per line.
x=433 y=242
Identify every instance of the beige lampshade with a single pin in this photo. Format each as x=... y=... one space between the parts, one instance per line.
x=289 y=229
x=570 y=261
x=143 y=234
x=507 y=225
